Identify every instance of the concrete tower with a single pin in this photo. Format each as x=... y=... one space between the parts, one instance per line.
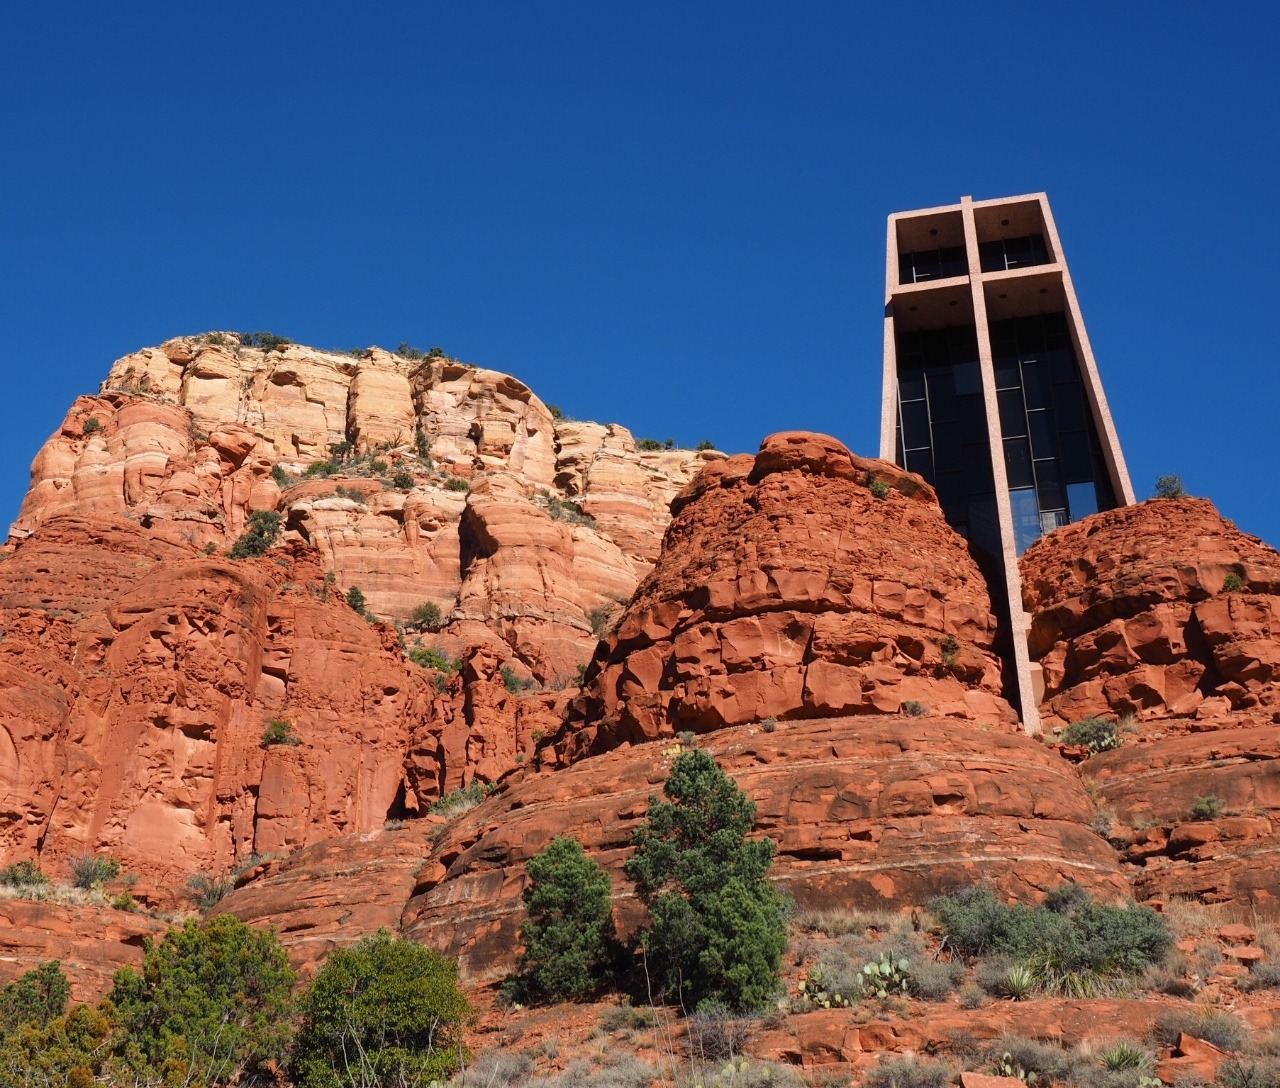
x=991 y=390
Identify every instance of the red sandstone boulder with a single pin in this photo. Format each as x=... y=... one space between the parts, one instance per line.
x=786 y=588
x=1129 y=615
x=90 y=942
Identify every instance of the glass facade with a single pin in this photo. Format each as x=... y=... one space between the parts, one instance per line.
x=1051 y=451
x=932 y=264
x=942 y=427
x=1013 y=253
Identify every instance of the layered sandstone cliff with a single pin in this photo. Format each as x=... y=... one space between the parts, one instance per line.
x=561 y=521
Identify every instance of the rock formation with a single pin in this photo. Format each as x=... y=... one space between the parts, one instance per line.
x=140 y=677
x=868 y=807
x=1167 y=616
x=561 y=521
x=787 y=588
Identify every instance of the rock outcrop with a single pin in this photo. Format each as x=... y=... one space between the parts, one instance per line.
x=139 y=679
x=561 y=521
x=774 y=592
x=1133 y=612
x=787 y=588
x=868 y=811
x=1168 y=617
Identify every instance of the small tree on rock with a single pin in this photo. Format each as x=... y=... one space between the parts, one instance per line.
x=211 y=1004
x=263 y=531
x=384 y=1012
x=717 y=929
x=570 y=945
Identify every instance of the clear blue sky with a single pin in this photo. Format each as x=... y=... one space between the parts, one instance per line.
x=670 y=215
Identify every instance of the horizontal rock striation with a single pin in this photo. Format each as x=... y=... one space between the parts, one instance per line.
x=561 y=521
x=867 y=811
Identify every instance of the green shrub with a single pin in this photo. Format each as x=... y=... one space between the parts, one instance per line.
x=567 y=510
x=950 y=648
x=599 y=620
x=1212 y=1025
x=408 y=351
x=716 y=930
x=322 y=468
x=403 y=481
x=426 y=616
x=704 y=445
x=383 y=1012
x=263 y=531
x=909 y=1072
x=23 y=874
x=1096 y=734
x=93 y=870
x=36 y=997
x=279 y=475
x=913 y=708
x=1232 y=583
x=1127 y=1055
x=207 y=892
x=379 y=467
x=462 y=799
x=267 y=341
x=355 y=599
x=513 y=681
x=648 y=445
x=1262 y=976
x=1063 y=950
x=570 y=947
x=432 y=657
x=456 y=483
x=1170 y=487
x=1031 y=1061
x=93 y=425
x=279 y=731
x=212 y=1002
x=437 y=352
x=1206 y=808
x=72 y=1050
x=879 y=489
x=422 y=447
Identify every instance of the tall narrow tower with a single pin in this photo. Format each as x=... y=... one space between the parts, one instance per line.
x=991 y=391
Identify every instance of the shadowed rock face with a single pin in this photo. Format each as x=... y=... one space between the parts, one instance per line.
x=1132 y=614
x=786 y=588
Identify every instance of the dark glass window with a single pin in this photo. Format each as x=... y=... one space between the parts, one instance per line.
x=1017 y=462
x=932 y=264
x=915 y=424
x=1040 y=427
x=1013 y=416
x=1013 y=253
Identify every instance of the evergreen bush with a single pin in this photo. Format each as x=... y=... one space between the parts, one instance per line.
x=384 y=1012
x=716 y=929
x=570 y=946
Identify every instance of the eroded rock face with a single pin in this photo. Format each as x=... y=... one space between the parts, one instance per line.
x=139 y=678
x=91 y=943
x=1166 y=615
x=787 y=589
x=1131 y=614
x=868 y=812
x=185 y=437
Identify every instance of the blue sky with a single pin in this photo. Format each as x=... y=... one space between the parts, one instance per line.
x=669 y=215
